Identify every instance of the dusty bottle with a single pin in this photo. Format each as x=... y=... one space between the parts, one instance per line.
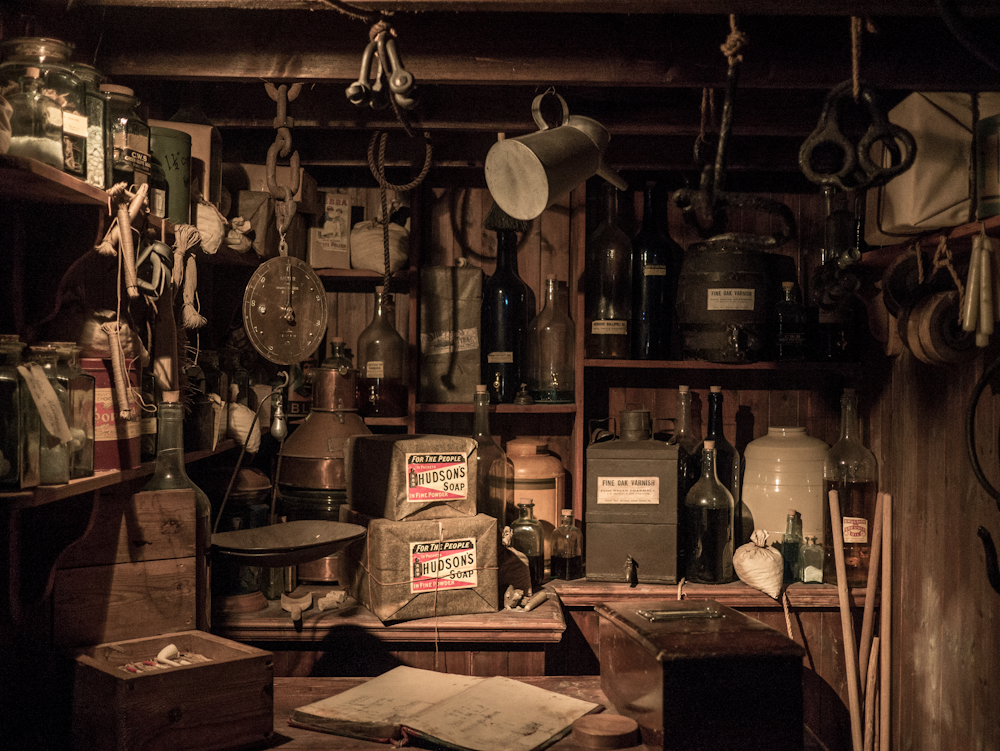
x=728 y=464
x=170 y=474
x=607 y=302
x=652 y=302
x=382 y=363
x=686 y=437
x=707 y=526
x=791 y=546
x=494 y=471
x=567 y=548
x=528 y=538
x=551 y=372
x=338 y=359
x=851 y=470
x=791 y=340
x=811 y=561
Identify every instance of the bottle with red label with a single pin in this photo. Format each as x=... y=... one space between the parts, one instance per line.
x=851 y=470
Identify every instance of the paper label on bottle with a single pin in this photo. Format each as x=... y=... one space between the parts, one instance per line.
x=446 y=342
x=46 y=401
x=855 y=530
x=654 y=270
x=375 y=369
x=74 y=124
x=500 y=357
x=731 y=298
x=436 y=477
x=444 y=564
x=618 y=490
x=609 y=328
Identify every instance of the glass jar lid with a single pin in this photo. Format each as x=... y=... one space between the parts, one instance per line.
x=41 y=49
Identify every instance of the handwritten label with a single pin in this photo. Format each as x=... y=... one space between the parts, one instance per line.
x=618 y=490
x=445 y=564
x=436 y=477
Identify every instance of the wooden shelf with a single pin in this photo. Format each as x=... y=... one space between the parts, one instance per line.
x=50 y=493
x=881 y=257
x=783 y=367
x=523 y=409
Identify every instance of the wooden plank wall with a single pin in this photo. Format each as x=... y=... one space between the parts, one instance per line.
x=946 y=615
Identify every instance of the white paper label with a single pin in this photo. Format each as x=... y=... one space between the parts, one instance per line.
x=855 y=530
x=74 y=124
x=375 y=369
x=446 y=342
x=731 y=298
x=609 y=328
x=618 y=490
x=448 y=564
x=436 y=477
x=500 y=357
x=654 y=270
x=46 y=401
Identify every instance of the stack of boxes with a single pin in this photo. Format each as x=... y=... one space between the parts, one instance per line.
x=427 y=552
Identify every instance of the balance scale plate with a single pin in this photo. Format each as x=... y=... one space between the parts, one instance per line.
x=287 y=544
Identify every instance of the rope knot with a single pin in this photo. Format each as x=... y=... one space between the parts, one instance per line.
x=378 y=27
x=732 y=48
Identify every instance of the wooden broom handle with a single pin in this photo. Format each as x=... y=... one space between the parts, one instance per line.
x=846 y=623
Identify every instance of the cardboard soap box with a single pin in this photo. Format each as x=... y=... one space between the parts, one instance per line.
x=224 y=703
x=699 y=675
x=330 y=235
x=420 y=569
x=411 y=477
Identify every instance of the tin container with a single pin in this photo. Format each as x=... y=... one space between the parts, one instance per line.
x=171 y=149
x=116 y=441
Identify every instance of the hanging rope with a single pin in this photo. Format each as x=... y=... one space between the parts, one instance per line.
x=856 y=52
x=732 y=48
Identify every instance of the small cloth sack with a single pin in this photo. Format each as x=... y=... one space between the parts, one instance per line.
x=758 y=565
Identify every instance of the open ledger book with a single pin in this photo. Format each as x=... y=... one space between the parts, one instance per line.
x=456 y=711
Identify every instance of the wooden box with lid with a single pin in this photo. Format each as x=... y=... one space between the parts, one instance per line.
x=699 y=675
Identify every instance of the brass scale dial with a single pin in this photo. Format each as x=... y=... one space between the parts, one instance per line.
x=284 y=310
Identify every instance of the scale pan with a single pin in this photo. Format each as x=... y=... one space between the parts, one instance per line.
x=287 y=544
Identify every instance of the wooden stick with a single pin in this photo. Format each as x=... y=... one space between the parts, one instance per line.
x=871 y=691
x=868 y=623
x=846 y=623
x=885 y=610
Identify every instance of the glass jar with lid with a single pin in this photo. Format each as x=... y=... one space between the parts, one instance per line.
x=51 y=58
x=53 y=453
x=35 y=121
x=80 y=390
x=98 y=127
x=129 y=136
x=19 y=421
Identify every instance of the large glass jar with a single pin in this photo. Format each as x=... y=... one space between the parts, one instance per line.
x=382 y=363
x=35 y=121
x=129 y=136
x=98 y=126
x=79 y=387
x=551 y=372
x=54 y=454
x=51 y=58
x=19 y=422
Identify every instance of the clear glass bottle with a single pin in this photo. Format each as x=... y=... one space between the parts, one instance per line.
x=728 y=464
x=653 y=252
x=170 y=474
x=851 y=470
x=607 y=302
x=51 y=58
x=791 y=547
x=707 y=526
x=382 y=363
x=338 y=359
x=507 y=309
x=53 y=455
x=567 y=548
x=811 y=561
x=80 y=387
x=551 y=372
x=528 y=538
x=129 y=136
x=98 y=126
x=792 y=338
x=687 y=438
x=36 y=121
x=19 y=421
x=494 y=471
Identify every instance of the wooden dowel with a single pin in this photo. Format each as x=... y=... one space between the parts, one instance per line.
x=868 y=622
x=885 y=630
x=846 y=623
x=870 y=691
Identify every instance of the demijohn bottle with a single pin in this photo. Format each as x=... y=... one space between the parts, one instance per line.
x=494 y=471
x=728 y=464
x=707 y=526
x=170 y=474
x=551 y=371
x=507 y=309
x=852 y=471
x=567 y=548
x=653 y=252
x=528 y=537
x=607 y=303
x=382 y=364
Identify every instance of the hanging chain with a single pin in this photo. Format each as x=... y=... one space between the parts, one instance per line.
x=283 y=194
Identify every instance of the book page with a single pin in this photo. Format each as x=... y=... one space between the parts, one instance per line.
x=384 y=701
x=501 y=713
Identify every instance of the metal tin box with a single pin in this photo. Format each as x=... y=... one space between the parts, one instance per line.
x=699 y=675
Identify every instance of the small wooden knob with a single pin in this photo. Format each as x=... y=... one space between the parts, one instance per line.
x=606 y=731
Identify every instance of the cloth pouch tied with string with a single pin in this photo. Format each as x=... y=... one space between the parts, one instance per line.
x=758 y=565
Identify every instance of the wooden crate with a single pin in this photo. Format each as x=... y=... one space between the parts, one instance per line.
x=225 y=703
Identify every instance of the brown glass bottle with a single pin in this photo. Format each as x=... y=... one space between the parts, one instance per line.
x=607 y=304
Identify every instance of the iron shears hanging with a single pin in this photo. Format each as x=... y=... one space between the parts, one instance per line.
x=286 y=206
x=383 y=76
